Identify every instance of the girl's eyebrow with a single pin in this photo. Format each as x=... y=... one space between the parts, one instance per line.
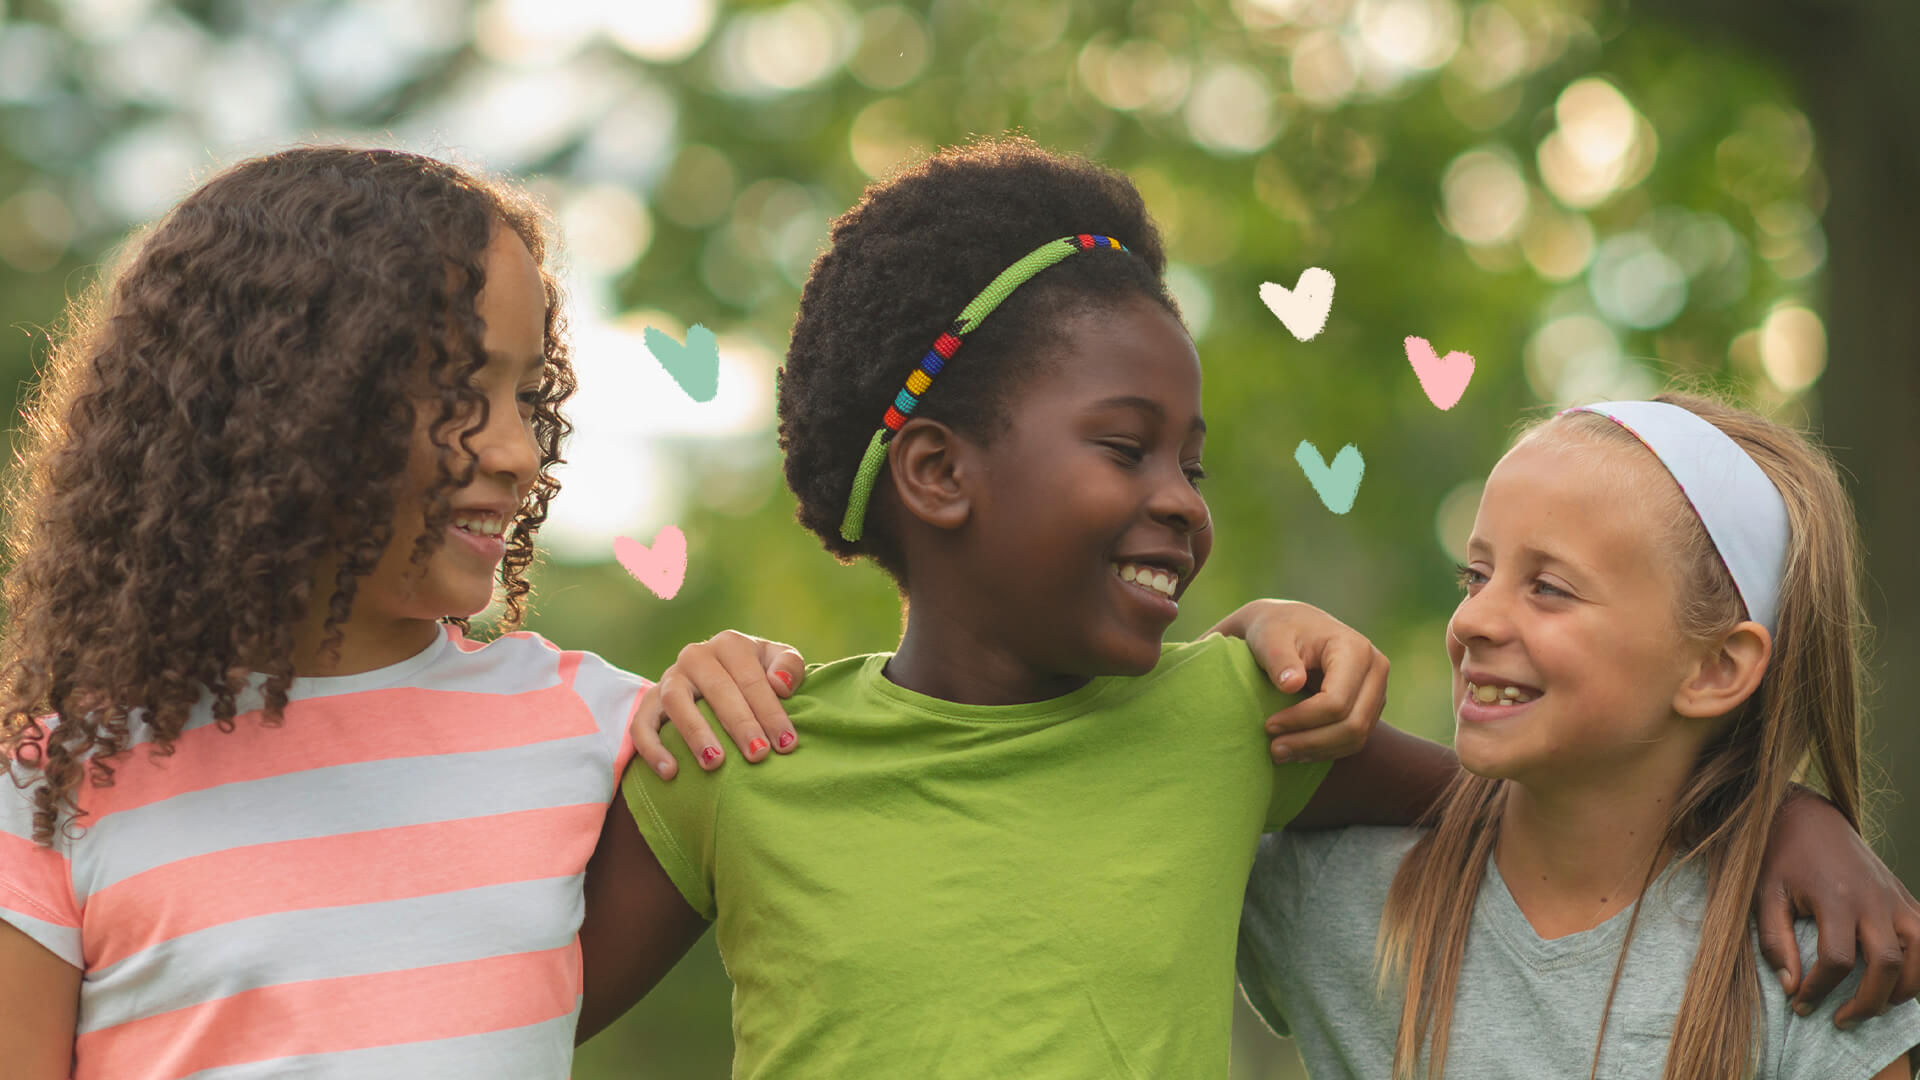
x=530 y=363
x=1533 y=554
x=1153 y=409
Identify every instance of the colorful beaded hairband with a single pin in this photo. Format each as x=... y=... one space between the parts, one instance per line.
x=943 y=349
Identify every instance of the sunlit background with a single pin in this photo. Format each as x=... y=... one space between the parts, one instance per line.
x=1589 y=202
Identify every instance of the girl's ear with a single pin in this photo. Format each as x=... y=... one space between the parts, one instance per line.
x=928 y=464
x=1727 y=674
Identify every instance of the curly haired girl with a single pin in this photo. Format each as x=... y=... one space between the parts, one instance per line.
x=270 y=802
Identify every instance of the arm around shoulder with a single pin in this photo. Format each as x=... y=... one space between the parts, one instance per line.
x=1393 y=780
x=39 y=1008
x=637 y=924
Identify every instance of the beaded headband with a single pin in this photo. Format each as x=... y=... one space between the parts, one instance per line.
x=943 y=349
x=1742 y=510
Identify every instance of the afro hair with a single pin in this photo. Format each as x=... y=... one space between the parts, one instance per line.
x=901 y=264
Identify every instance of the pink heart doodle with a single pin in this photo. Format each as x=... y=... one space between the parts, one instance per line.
x=661 y=568
x=1444 y=378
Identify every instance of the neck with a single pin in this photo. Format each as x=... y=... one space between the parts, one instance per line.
x=365 y=645
x=955 y=660
x=1574 y=856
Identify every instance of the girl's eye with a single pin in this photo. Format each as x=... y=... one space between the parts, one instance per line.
x=1467 y=576
x=1195 y=474
x=1549 y=589
x=1133 y=454
x=531 y=397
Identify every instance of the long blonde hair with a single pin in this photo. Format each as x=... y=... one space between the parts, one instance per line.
x=1805 y=712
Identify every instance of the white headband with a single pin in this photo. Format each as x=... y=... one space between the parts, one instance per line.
x=1743 y=512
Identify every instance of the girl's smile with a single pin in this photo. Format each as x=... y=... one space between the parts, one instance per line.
x=1081 y=524
x=1566 y=650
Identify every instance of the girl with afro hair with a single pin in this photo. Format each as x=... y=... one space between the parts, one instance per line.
x=272 y=811
x=1017 y=844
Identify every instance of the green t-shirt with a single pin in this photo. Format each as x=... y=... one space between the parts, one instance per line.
x=926 y=889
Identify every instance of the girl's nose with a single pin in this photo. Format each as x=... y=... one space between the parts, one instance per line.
x=1178 y=503
x=1480 y=616
x=507 y=448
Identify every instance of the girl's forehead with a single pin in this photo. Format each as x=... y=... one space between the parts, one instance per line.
x=1135 y=343
x=1609 y=498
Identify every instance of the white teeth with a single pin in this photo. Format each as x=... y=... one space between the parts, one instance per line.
x=1502 y=695
x=481 y=526
x=1148 y=578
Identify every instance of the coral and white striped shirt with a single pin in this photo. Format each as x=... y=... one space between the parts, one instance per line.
x=388 y=884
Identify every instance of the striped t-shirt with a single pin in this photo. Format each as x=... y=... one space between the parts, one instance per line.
x=387 y=884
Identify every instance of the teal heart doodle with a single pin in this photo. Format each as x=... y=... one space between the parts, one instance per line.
x=1336 y=484
x=694 y=365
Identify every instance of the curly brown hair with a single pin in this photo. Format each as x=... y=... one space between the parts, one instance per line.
x=232 y=407
x=902 y=264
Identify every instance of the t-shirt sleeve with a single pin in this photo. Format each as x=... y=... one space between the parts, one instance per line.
x=1283 y=876
x=1293 y=783
x=1811 y=1047
x=678 y=817
x=36 y=883
x=610 y=694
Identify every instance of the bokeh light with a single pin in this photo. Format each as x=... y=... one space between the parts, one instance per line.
x=1231 y=109
x=1407 y=37
x=781 y=49
x=894 y=48
x=1483 y=196
x=606 y=227
x=1558 y=245
x=1601 y=145
x=1322 y=69
x=881 y=136
x=1577 y=358
x=1136 y=74
x=1453 y=518
x=661 y=31
x=1793 y=347
x=1635 y=283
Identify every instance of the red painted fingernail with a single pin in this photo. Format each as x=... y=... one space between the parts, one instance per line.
x=786 y=740
x=756 y=746
x=711 y=755
x=786 y=680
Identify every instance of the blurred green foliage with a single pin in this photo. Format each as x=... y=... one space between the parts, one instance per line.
x=1267 y=135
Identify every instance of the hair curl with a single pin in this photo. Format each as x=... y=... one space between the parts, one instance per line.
x=232 y=407
x=901 y=264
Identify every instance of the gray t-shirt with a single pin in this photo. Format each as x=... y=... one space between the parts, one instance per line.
x=1525 y=1007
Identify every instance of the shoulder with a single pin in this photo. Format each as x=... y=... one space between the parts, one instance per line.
x=1357 y=862
x=1215 y=672
x=522 y=661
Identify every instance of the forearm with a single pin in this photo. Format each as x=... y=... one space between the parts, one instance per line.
x=1394 y=780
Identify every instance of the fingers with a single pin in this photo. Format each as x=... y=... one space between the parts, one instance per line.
x=1773 y=916
x=1833 y=959
x=1884 y=959
x=1907 y=925
x=644 y=727
x=752 y=714
x=1283 y=666
x=710 y=675
x=678 y=701
x=786 y=668
x=1336 y=721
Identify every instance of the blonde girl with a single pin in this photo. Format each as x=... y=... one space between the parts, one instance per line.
x=1660 y=632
